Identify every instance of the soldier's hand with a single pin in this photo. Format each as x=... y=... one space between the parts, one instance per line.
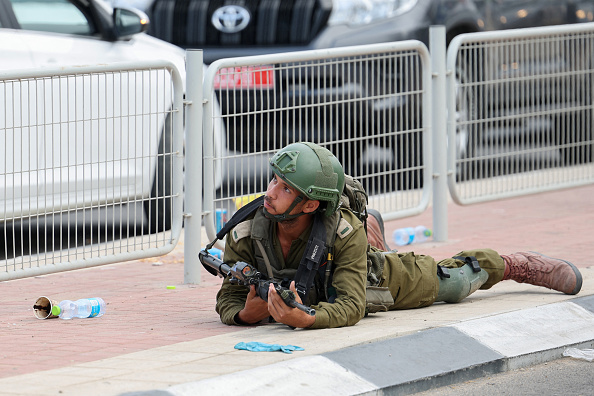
x=282 y=313
x=255 y=308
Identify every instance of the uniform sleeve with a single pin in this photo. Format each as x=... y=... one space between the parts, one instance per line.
x=349 y=280
x=231 y=298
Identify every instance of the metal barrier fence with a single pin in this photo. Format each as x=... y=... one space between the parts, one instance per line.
x=523 y=102
x=94 y=156
x=363 y=103
x=93 y=166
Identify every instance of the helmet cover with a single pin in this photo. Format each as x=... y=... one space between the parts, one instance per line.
x=312 y=170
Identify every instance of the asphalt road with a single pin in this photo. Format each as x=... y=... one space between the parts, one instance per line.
x=563 y=377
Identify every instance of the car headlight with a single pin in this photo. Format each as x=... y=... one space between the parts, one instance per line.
x=359 y=12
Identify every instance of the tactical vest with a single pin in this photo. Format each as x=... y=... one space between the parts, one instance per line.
x=262 y=231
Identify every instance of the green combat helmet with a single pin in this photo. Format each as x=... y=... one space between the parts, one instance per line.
x=313 y=171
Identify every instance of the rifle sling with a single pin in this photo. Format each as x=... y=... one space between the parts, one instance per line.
x=239 y=216
x=314 y=255
x=266 y=260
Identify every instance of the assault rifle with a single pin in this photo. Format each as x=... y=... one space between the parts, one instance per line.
x=244 y=274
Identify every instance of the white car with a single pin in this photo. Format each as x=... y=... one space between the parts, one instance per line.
x=49 y=33
x=55 y=162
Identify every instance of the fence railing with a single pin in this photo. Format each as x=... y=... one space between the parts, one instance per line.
x=93 y=166
x=365 y=104
x=523 y=105
x=519 y=118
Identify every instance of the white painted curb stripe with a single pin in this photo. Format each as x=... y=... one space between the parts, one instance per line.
x=313 y=375
x=531 y=330
x=510 y=334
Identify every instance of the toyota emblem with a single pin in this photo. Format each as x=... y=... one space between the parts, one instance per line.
x=230 y=19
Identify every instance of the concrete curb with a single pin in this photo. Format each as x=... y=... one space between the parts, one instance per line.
x=417 y=362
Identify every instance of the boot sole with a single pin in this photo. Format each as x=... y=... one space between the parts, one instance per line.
x=578 y=275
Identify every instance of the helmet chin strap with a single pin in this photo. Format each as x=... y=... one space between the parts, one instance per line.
x=285 y=216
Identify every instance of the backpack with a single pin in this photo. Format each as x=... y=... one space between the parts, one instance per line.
x=354 y=198
x=378 y=298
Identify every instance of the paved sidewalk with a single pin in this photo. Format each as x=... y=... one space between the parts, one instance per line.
x=154 y=338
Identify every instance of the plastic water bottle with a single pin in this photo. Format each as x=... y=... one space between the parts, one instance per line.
x=422 y=234
x=218 y=253
x=221 y=218
x=585 y=354
x=408 y=235
x=83 y=308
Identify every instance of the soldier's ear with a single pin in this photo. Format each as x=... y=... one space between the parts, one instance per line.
x=311 y=206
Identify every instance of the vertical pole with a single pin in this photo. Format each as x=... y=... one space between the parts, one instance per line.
x=437 y=48
x=193 y=171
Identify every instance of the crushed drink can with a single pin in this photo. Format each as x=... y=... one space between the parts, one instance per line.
x=221 y=218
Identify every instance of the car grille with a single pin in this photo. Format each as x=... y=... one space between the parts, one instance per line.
x=187 y=23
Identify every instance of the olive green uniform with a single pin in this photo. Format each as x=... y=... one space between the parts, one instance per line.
x=412 y=279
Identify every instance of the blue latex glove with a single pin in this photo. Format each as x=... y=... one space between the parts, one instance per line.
x=263 y=347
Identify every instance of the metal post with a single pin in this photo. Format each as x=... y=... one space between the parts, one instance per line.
x=193 y=160
x=437 y=47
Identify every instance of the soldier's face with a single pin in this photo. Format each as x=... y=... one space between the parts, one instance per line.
x=280 y=196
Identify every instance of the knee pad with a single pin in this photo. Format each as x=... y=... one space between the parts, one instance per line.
x=461 y=283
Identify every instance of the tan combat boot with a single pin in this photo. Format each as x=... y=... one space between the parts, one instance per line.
x=540 y=270
x=375 y=230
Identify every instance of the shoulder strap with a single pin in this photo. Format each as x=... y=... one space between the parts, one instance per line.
x=315 y=253
x=237 y=218
x=326 y=270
